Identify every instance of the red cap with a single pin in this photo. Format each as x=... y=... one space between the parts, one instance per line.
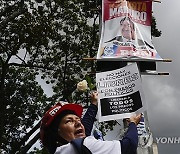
x=56 y=110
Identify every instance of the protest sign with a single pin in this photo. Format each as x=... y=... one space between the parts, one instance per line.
x=126 y=31
x=141 y=127
x=144 y=134
x=120 y=93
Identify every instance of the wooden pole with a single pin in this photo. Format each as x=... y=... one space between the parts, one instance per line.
x=128 y=60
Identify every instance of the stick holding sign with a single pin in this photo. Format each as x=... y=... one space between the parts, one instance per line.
x=120 y=93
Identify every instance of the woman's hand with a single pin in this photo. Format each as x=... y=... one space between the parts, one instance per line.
x=94 y=98
x=135 y=118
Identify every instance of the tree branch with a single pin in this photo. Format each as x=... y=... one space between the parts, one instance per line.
x=25 y=149
x=1 y=61
x=30 y=66
x=26 y=137
x=21 y=59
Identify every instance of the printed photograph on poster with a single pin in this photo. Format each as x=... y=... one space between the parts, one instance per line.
x=120 y=93
x=126 y=30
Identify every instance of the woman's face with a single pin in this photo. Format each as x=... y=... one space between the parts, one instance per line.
x=71 y=128
x=128 y=30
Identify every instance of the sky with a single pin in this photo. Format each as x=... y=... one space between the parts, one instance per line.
x=162 y=92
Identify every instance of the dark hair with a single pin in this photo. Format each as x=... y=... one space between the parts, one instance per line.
x=129 y=19
x=51 y=138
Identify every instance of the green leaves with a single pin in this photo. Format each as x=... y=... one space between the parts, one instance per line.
x=154 y=31
x=91 y=82
x=49 y=39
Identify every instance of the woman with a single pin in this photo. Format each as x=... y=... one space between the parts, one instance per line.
x=62 y=124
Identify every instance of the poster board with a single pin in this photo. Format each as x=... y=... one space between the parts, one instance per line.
x=120 y=93
x=126 y=31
